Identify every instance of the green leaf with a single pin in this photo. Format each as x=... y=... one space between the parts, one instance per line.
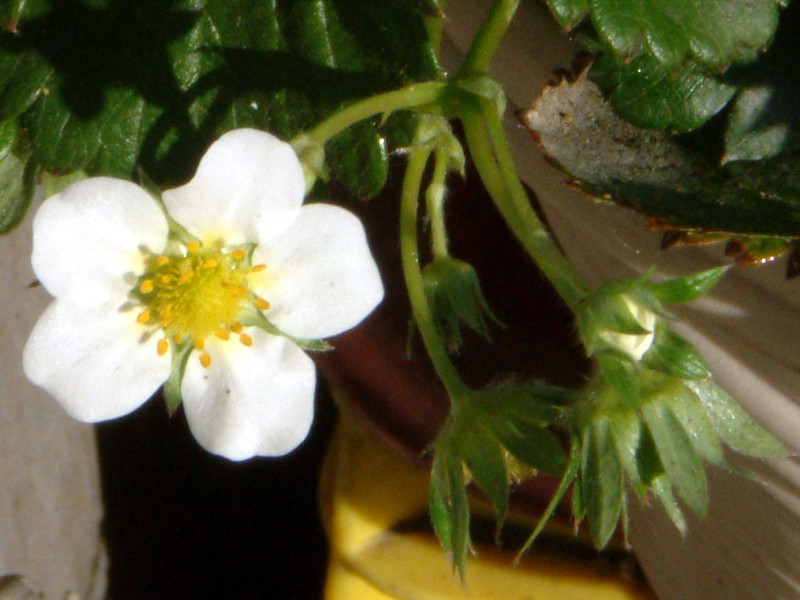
x=16 y=190
x=530 y=443
x=736 y=428
x=676 y=452
x=715 y=33
x=650 y=172
x=687 y=288
x=764 y=121
x=569 y=13
x=109 y=85
x=651 y=95
x=601 y=481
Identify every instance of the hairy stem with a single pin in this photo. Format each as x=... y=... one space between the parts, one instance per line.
x=487 y=141
x=409 y=248
x=486 y=41
x=411 y=96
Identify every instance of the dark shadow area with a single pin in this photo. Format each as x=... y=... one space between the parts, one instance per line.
x=183 y=524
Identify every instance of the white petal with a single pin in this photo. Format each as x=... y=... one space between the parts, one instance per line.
x=93 y=361
x=321 y=278
x=90 y=235
x=248 y=187
x=256 y=401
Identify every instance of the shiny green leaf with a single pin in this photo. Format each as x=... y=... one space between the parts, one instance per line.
x=105 y=86
x=764 y=120
x=651 y=95
x=713 y=32
x=673 y=354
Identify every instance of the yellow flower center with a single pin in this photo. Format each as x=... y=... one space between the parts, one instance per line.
x=196 y=293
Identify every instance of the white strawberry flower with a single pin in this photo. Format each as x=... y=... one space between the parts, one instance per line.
x=219 y=308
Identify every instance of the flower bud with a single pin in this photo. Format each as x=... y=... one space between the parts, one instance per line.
x=454 y=293
x=632 y=344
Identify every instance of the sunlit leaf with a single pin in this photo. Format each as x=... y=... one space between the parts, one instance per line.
x=104 y=86
x=652 y=95
x=650 y=172
x=713 y=32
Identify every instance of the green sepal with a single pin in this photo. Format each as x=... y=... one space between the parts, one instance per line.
x=531 y=401
x=677 y=454
x=570 y=474
x=688 y=409
x=733 y=424
x=53 y=184
x=255 y=318
x=687 y=288
x=172 y=387
x=531 y=443
x=663 y=491
x=618 y=374
x=449 y=506
x=484 y=459
x=455 y=296
x=671 y=353
x=601 y=481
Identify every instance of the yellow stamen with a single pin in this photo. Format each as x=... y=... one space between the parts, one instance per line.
x=162 y=347
x=257 y=268
x=199 y=343
x=166 y=278
x=262 y=304
x=246 y=339
x=143 y=317
x=210 y=263
x=193 y=246
x=147 y=286
x=186 y=276
x=205 y=359
x=239 y=254
x=236 y=327
x=223 y=334
x=178 y=338
x=162 y=260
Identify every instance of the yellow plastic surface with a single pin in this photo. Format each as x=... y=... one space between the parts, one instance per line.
x=367 y=490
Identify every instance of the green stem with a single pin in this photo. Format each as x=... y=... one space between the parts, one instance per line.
x=409 y=249
x=487 y=142
x=411 y=96
x=485 y=43
x=435 y=204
